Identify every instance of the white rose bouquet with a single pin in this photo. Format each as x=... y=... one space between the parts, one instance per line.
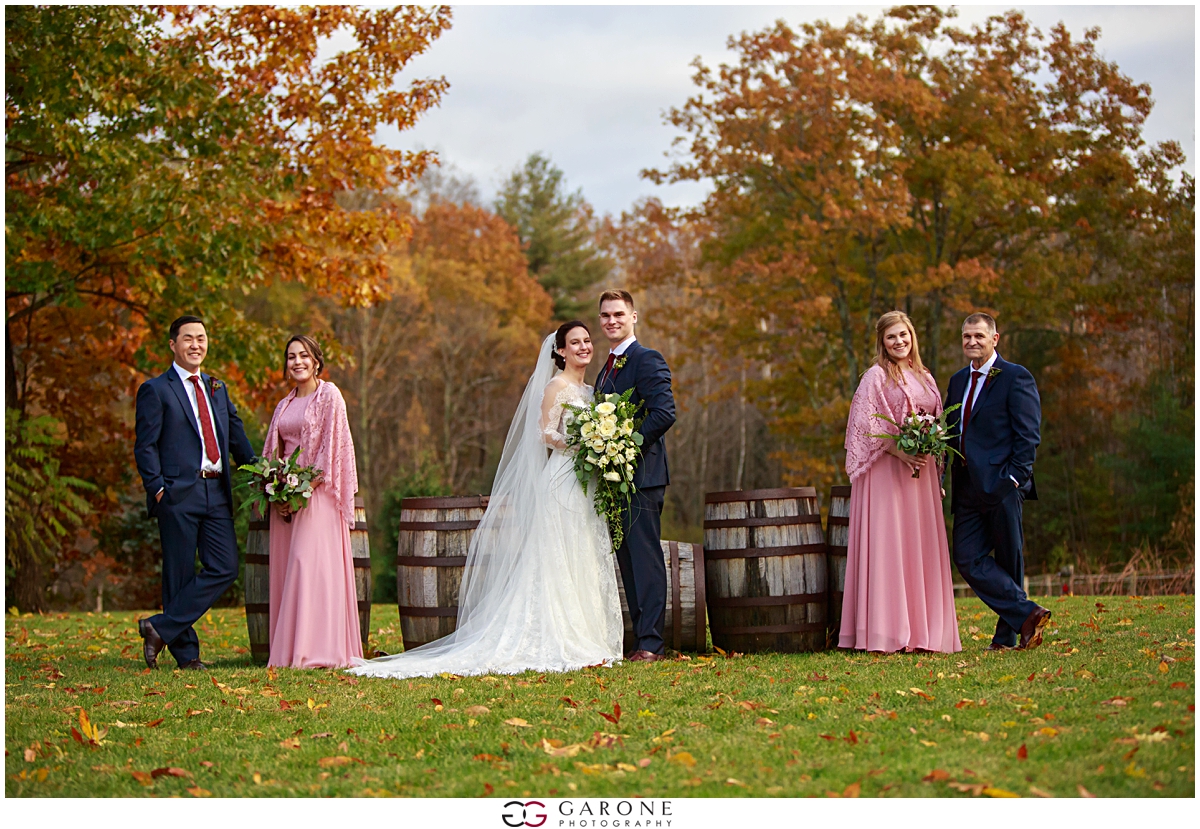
x=922 y=433
x=280 y=482
x=607 y=443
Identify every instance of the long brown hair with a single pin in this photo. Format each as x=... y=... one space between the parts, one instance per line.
x=311 y=346
x=884 y=360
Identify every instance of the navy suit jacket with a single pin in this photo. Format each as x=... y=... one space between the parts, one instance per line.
x=1002 y=436
x=645 y=371
x=168 y=446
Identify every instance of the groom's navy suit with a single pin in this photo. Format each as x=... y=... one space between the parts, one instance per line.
x=640 y=557
x=195 y=513
x=990 y=485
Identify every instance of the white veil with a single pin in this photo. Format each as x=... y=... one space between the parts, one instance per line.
x=500 y=545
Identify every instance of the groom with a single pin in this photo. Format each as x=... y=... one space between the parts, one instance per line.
x=631 y=365
x=1000 y=414
x=189 y=440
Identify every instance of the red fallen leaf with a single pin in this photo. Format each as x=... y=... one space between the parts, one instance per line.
x=852 y=790
x=170 y=771
x=963 y=703
x=1178 y=684
x=487 y=758
x=284 y=705
x=155 y=723
x=1031 y=676
x=487 y=790
x=826 y=736
x=142 y=777
x=615 y=716
x=1022 y=752
x=935 y=776
x=570 y=702
x=435 y=700
x=208 y=764
x=100 y=690
x=77 y=736
x=817 y=677
x=923 y=695
x=851 y=738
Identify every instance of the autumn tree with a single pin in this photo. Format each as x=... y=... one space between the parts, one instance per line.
x=168 y=160
x=906 y=163
x=558 y=231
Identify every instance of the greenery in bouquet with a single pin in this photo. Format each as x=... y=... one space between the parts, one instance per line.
x=922 y=433
x=607 y=446
x=279 y=481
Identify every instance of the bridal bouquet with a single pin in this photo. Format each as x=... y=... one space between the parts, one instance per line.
x=280 y=482
x=607 y=444
x=922 y=434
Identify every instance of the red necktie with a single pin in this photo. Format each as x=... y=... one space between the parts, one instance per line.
x=975 y=375
x=612 y=358
x=210 y=438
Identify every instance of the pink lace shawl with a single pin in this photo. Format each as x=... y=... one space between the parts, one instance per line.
x=879 y=394
x=325 y=443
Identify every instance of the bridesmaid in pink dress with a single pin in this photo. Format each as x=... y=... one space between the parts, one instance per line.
x=314 y=610
x=899 y=594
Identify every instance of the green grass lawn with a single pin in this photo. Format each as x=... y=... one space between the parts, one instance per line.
x=1105 y=707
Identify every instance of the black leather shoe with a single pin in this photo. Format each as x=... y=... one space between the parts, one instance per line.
x=996 y=646
x=194 y=665
x=1031 y=631
x=152 y=643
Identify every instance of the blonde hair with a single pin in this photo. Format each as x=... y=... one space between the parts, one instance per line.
x=883 y=359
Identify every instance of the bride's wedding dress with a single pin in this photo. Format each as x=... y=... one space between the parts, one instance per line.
x=539 y=589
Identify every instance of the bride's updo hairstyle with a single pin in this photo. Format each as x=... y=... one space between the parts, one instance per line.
x=560 y=340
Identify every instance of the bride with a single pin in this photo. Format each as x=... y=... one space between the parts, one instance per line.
x=539 y=590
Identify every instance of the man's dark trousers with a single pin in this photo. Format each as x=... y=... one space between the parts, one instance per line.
x=204 y=523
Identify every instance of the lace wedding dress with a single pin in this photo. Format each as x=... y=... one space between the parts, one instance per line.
x=539 y=589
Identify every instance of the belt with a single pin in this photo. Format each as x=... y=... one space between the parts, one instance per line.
x=207 y=474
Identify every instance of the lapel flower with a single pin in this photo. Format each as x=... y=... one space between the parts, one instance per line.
x=619 y=363
x=992 y=372
x=215 y=385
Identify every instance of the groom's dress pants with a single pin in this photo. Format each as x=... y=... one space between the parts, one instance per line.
x=204 y=523
x=988 y=550
x=643 y=570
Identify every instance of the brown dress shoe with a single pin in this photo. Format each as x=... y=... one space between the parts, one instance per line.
x=645 y=656
x=1031 y=631
x=152 y=643
x=194 y=665
x=995 y=646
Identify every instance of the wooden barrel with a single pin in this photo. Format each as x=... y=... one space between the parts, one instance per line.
x=765 y=570
x=687 y=630
x=257 y=587
x=435 y=534
x=360 y=548
x=837 y=536
x=258 y=580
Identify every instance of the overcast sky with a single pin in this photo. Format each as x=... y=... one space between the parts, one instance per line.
x=589 y=84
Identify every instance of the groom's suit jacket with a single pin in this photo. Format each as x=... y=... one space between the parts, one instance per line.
x=1002 y=435
x=645 y=371
x=168 y=447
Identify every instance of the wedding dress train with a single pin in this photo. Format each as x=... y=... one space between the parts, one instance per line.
x=539 y=589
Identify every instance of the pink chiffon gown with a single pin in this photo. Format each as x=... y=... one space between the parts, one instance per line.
x=899 y=593
x=314 y=609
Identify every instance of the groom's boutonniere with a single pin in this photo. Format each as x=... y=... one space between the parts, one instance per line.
x=215 y=385
x=619 y=363
x=992 y=372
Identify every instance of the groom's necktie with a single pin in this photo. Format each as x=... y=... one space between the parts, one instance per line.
x=966 y=418
x=612 y=358
x=210 y=438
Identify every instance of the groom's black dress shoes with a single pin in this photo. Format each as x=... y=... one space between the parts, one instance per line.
x=194 y=665
x=996 y=646
x=645 y=656
x=152 y=643
x=1031 y=631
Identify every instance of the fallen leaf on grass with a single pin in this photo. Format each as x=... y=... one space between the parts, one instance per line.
x=935 y=776
x=1022 y=752
x=322 y=735
x=488 y=758
x=196 y=791
x=1036 y=792
x=852 y=790
x=561 y=750
x=517 y=722
x=682 y=758
x=1179 y=685
x=928 y=743
x=155 y=723
x=143 y=777
x=615 y=716
x=1083 y=792
x=478 y=710
x=992 y=791
x=644 y=762
x=338 y=760
x=291 y=743
x=170 y=771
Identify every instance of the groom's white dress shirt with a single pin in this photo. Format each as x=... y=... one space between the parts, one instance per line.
x=623 y=345
x=205 y=464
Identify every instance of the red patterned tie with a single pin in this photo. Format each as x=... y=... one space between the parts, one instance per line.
x=612 y=358
x=975 y=375
x=210 y=438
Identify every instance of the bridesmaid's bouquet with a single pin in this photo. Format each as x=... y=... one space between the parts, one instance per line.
x=922 y=434
x=280 y=482
x=607 y=445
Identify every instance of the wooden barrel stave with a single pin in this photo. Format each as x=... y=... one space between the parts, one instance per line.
x=837 y=537
x=257 y=588
x=685 y=569
x=360 y=548
x=757 y=600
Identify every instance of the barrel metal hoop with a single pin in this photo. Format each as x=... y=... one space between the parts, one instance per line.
x=364 y=604
x=430 y=561
x=433 y=526
x=838 y=549
x=463 y=502
x=256 y=607
x=259 y=526
x=259 y=647
x=760 y=494
x=361 y=562
x=839 y=521
x=763 y=552
x=360 y=525
x=257 y=558
x=428 y=611
x=767 y=601
x=752 y=630
x=676 y=601
x=778 y=521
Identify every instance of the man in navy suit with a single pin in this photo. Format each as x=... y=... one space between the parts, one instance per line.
x=631 y=365
x=189 y=441
x=1000 y=417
